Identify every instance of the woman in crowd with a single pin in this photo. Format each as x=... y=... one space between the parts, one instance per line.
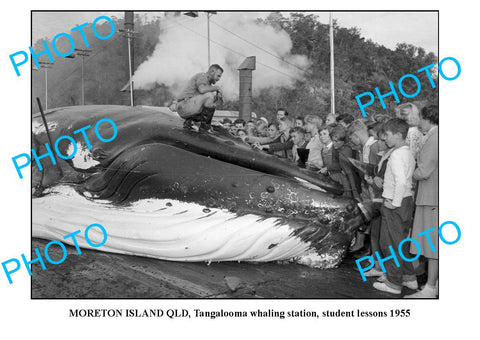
x=426 y=213
x=409 y=113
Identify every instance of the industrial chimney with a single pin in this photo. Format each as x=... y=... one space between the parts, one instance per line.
x=245 y=70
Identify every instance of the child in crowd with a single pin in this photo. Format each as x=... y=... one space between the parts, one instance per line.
x=376 y=187
x=368 y=149
x=397 y=209
x=345 y=120
x=282 y=146
x=250 y=128
x=299 y=142
x=250 y=124
x=373 y=129
x=381 y=118
x=312 y=125
x=299 y=121
x=344 y=151
x=273 y=133
x=273 y=136
x=327 y=151
x=239 y=123
x=233 y=129
x=358 y=135
x=242 y=134
x=376 y=182
x=335 y=158
x=330 y=119
x=261 y=129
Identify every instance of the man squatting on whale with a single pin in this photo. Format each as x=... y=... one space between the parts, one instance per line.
x=198 y=100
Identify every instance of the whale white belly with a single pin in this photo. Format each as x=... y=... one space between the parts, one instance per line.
x=166 y=229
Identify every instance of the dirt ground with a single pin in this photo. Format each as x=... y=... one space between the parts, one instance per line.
x=95 y=274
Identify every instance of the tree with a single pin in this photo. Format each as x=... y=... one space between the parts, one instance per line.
x=360 y=65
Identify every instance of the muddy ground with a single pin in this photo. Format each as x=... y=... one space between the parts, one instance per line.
x=95 y=274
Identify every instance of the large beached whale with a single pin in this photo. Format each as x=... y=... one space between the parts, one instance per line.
x=165 y=192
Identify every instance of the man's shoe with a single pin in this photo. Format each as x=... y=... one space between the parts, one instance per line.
x=188 y=124
x=205 y=127
x=360 y=245
x=365 y=251
x=382 y=278
x=413 y=285
x=426 y=293
x=436 y=287
x=385 y=288
x=373 y=272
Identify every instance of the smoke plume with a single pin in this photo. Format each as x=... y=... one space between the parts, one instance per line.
x=182 y=52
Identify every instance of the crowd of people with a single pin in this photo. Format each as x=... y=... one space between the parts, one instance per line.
x=403 y=155
x=397 y=158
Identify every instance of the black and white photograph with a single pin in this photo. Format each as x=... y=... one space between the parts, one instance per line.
x=198 y=166
x=240 y=159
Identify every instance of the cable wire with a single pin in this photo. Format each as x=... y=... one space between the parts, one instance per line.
x=260 y=48
x=236 y=52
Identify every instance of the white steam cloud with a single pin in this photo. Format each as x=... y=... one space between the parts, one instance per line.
x=182 y=52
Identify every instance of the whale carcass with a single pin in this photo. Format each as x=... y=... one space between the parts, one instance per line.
x=165 y=192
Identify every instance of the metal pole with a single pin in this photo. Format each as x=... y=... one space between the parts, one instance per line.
x=46 y=88
x=83 y=53
x=45 y=123
x=45 y=65
x=83 y=85
x=130 y=70
x=332 y=73
x=56 y=169
x=208 y=36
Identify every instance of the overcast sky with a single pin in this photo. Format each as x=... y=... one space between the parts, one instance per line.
x=385 y=28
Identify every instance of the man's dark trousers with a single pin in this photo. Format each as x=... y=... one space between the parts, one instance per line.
x=204 y=117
